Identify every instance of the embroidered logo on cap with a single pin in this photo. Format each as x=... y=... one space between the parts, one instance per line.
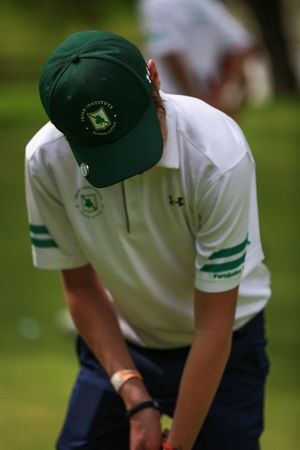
x=99 y=119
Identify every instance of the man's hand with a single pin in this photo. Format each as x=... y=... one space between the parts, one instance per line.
x=145 y=430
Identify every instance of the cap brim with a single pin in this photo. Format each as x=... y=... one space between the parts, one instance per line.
x=137 y=151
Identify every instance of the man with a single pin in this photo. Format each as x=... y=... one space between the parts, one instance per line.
x=200 y=50
x=146 y=203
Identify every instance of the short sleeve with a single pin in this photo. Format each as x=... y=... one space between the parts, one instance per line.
x=53 y=242
x=222 y=238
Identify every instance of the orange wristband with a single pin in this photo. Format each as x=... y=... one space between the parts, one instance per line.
x=167 y=446
x=121 y=376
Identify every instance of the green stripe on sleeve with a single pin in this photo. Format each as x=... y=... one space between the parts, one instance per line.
x=216 y=268
x=38 y=229
x=230 y=251
x=43 y=243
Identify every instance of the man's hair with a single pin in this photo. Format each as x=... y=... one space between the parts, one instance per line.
x=157 y=100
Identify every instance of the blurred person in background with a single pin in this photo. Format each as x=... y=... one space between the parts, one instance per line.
x=200 y=50
x=277 y=37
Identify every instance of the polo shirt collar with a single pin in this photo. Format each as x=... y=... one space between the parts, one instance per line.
x=170 y=157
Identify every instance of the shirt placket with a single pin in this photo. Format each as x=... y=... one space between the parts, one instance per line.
x=132 y=203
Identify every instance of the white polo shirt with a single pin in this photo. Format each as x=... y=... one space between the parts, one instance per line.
x=189 y=222
x=202 y=31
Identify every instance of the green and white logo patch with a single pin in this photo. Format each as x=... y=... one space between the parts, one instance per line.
x=89 y=202
x=99 y=119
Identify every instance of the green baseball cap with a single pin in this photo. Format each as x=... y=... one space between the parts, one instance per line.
x=96 y=89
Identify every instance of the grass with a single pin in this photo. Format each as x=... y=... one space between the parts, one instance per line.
x=25 y=46
x=274 y=135
x=37 y=372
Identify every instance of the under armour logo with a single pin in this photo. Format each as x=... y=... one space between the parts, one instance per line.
x=179 y=201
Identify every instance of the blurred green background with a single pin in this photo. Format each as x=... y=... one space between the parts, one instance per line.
x=37 y=364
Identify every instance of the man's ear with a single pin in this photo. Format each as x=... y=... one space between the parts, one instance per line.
x=154 y=73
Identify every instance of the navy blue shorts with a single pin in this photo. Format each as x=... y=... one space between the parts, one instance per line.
x=96 y=416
